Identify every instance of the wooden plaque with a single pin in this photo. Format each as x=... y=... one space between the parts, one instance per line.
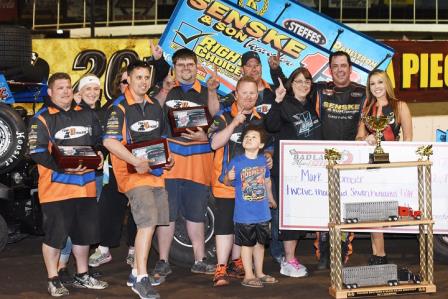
x=71 y=156
x=182 y=119
x=156 y=151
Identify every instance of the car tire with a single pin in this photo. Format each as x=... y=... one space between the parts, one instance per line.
x=12 y=138
x=181 y=252
x=3 y=233
x=15 y=46
x=441 y=248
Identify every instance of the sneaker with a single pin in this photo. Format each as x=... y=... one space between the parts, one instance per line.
x=145 y=290
x=130 y=259
x=278 y=259
x=293 y=268
x=221 y=277
x=202 y=267
x=56 y=288
x=98 y=258
x=324 y=262
x=88 y=282
x=377 y=260
x=236 y=269
x=155 y=281
x=162 y=268
x=65 y=276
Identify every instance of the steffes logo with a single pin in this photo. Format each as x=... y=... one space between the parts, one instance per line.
x=72 y=132
x=304 y=30
x=144 y=126
x=258 y=6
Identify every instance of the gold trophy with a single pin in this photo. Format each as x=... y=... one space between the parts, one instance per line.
x=377 y=124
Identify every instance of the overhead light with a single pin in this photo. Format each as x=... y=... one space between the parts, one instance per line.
x=59 y=31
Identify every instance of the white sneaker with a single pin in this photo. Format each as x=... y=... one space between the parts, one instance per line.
x=98 y=258
x=293 y=269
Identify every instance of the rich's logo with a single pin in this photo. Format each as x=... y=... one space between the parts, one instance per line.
x=144 y=126
x=176 y=104
x=73 y=132
x=3 y=93
x=306 y=31
x=258 y=6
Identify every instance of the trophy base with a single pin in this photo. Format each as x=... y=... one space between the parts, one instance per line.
x=379 y=158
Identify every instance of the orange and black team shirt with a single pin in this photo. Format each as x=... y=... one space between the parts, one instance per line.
x=52 y=125
x=193 y=158
x=232 y=149
x=130 y=122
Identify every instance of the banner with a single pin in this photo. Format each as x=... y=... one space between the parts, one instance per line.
x=420 y=70
x=102 y=57
x=303 y=185
x=219 y=32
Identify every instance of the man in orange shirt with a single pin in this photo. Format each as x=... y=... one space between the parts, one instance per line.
x=67 y=196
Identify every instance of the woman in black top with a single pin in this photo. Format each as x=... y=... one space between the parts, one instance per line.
x=292 y=118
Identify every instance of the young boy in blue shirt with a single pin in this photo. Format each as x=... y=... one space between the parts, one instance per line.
x=250 y=176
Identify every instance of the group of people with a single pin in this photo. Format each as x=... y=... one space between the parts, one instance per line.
x=236 y=160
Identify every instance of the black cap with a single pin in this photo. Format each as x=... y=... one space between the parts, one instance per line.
x=249 y=55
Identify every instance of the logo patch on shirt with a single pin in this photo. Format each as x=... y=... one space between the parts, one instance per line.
x=175 y=104
x=328 y=92
x=356 y=94
x=73 y=132
x=263 y=108
x=145 y=126
x=236 y=137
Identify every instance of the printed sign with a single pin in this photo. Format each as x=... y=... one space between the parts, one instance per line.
x=420 y=70
x=219 y=32
x=303 y=185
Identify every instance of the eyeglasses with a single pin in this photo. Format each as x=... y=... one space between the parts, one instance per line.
x=185 y=65
x=124 y=82
x=303 y=83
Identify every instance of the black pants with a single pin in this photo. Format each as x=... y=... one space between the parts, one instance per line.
x=112 y=207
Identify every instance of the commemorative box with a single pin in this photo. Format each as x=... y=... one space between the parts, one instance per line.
x=182 y=119
x=72 y=156
x=155 y=151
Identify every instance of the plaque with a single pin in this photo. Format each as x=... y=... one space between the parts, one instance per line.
x=155 y=151
x=72 y=156
x=182 y=119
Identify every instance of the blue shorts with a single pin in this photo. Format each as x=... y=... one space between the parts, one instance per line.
x=188 y=199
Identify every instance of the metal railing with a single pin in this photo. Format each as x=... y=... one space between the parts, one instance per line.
x=109 y=9
x=125 y=12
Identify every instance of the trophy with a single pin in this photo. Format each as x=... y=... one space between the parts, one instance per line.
x=377 y=124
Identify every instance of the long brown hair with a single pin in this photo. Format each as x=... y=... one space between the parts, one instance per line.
x=390 y=94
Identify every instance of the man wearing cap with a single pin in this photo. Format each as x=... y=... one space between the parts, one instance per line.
x=251 y=67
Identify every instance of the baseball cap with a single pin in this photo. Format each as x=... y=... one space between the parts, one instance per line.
x=249 y=55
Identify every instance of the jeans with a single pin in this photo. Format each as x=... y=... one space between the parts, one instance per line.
x=66 y=251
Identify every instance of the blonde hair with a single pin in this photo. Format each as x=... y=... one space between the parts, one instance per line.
x=390 y=94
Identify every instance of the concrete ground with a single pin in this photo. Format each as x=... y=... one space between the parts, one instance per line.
x=22 y=275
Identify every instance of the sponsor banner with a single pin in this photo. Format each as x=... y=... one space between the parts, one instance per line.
x=303 y=188
x=8 y=10
x=219 y=32
x=420 y=70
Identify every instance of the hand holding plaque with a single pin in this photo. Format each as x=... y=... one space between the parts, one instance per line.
x=75 y=156
x=377 y=124
x=155 y=151
x=190 y=118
